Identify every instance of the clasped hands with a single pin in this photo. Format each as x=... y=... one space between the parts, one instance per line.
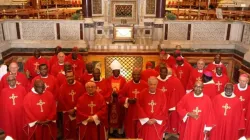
x=151 y=121
x=132 y=100
x=193 y=115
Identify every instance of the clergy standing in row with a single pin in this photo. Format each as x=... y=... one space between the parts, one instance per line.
x=20 y=77
x=40 y=113
x=11 y=109
x=128 y=97
x=149 y=71
x=91 y=114
x=230 y=121
x=54 y=59
x=151 y=112
x=209 y=87
x=31 y=66
x=220 y=79
x=58 y=66
x=69 y=94
x=116 y=109
x=217 y=62
x=88 y=74
x=196 y=113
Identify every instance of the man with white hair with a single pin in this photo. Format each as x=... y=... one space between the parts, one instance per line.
x=151 y=112
x=20 y=77
x=59 y=65
x=116 y=113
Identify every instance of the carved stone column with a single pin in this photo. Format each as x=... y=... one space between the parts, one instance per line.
x=87 y=8
x=160 y=8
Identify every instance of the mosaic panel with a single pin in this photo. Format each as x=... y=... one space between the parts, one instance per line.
x=127 y=62
x=150 y=7
x=123 y=10
x=96 y=7
x=246 y=34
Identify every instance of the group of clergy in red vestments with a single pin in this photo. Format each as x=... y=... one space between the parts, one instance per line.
x=174 y=98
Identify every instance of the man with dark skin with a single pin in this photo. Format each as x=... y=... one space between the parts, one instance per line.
x=87 y=75
x=209 y=87
x=217 y=62
x=40 y=109
x=220 y=79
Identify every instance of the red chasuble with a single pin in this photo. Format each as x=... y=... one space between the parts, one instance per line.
x=40 y=108
x=247 y=118
x=91 y=106
x=151 y=106
x=61 y=79
x=174 y=92
x=131 y=90
x=69 y=95
x=103 y=89
x=210 y=89
x=229 y=118
x=20 y=80
x=147 y=73
x=85 y=77
x=243 y=94
x=53 y=60
x=32 y=65
x=220 y=82
x=79 y=56
x=195 y=75
x=170 y=61
x=212 y=67
x=12 y=112
x=50 y=84
x=56 y=69
x=78 y=67
x=183 y=73
x=192 y=129
x=116 y=110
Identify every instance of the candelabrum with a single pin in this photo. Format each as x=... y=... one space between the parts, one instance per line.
x=4 y=14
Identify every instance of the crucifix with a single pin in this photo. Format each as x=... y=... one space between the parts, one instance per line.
x=152 y=104
x=180 y=73
x=98 y=89
x=226 y=107
x=72 y=93
x=91 y=105
x=13 y=97
x=135 y=92
x=218 y=85
x=36 y=65
x=242 y=99
x=197 y=111
x=163 y=89
x=41 y=103
x=74 y=66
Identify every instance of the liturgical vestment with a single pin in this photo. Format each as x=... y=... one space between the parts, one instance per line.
x=95 y=106
x=40 y=107
x=131 y=90
x=32 y=65
x=12 y=111
x=229 y=118
x=151 y=106
x=193 y=129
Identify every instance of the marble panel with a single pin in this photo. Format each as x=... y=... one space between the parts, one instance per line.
x=70 y=31
x=177 y=31
x=246 y=34
x=1 y=32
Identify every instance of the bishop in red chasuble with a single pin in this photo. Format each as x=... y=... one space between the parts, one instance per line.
x=196 y=113
x=151 y=112
x=116 y=109
x=11 y=109
x=40 y=113
x=91 y=115
x=230 y=121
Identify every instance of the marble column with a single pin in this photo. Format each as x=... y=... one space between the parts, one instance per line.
x=87 y=8
x=160 y=8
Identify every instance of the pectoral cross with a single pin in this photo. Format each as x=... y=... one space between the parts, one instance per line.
x=226 y=107
x=197 y=111
x=18 y=83
x=214 y=70
x=74 y=66
x=180 y=73
x=36 y=65
x=91 y=105
x=98 y=89
x=41 y=103
x=135 y=92
x=242 y=99
x=13 y=97
x=46 y=86
x=152 y=104
x=218 y=85
x=163 y=89
x=198 y=79
x=72 y=93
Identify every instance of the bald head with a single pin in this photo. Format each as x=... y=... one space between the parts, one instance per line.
x=39 y=86
x=90 y=88
x=217 y=59
x=11 y=79
x=152 y=84
x=198 y=88
x=61 y=57
x=13 y=67
x=136 y=75
x=229 y=88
